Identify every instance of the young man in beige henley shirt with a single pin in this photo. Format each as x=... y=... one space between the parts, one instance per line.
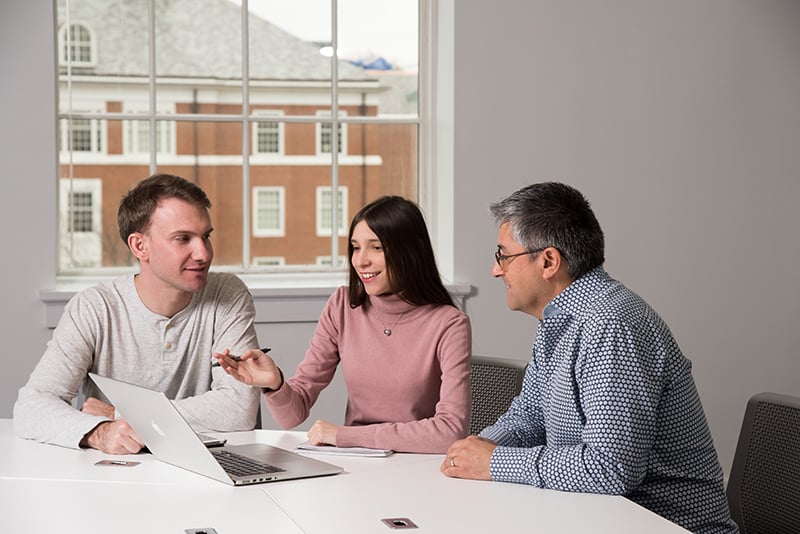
x=157 y=328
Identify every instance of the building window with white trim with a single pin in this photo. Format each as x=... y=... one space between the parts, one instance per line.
x=325 y=134
x=325 y=261
x=136 y=133
x=325 y=211
x=269 y=261
x=80 y=221
x=269 y=211
x=268 y=135
x=81 y=214
x=81 y=135
x=76 y=45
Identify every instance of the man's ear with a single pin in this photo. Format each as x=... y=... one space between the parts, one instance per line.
x=552 y=262
x=138 y=246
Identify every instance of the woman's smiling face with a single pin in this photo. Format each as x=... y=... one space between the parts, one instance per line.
x=368 y=260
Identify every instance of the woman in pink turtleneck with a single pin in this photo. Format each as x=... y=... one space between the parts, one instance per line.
x=403 y=346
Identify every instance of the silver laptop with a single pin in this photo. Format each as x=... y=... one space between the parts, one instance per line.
x=170 y=439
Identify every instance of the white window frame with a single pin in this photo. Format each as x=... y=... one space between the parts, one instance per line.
x=88 y=242
x=63 y=45
x=342 y=127
x=98 y=143
x=277 y=289
x=324 y=227
x=269 y=261
x=272 y=113
x=325 y=261
x=166 y=136
x=269 y=232
x=435 y=152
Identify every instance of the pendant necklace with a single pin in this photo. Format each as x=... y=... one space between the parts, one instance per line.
x=387 y=330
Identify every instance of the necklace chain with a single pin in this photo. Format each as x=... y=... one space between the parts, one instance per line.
x=387 y=330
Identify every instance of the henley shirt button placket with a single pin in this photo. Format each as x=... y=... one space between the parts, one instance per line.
x=168 y=344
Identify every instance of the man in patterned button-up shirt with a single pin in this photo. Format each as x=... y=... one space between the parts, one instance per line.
x=608 y=404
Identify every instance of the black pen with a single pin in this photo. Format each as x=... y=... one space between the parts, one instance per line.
x=215 y=363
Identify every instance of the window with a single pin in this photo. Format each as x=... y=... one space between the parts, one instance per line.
x=81 y=135
x=136 y=133
x=325 y=211
x=269 y=261
x=325 y=135
x=268 y=211
x=137 y=137
x=326 y=260
x=267 y=136
x=147 y=88
x=76 y=45
x=81 y=215
x=79 y=212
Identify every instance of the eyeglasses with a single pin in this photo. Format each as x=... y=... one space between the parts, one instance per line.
x=501 y=258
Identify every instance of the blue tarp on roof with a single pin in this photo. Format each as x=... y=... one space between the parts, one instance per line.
x=377 y=63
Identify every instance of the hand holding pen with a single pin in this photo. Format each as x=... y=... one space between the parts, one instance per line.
x=253 y=367
x=227 y=352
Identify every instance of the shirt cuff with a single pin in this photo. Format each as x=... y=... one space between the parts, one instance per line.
x=516 y=464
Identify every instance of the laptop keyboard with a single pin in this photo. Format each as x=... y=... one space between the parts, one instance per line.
x=242 y=466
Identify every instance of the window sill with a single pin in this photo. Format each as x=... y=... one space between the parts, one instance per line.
x=278 y=297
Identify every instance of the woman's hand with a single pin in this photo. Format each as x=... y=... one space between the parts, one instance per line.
x=253 y=368
x=322 y=433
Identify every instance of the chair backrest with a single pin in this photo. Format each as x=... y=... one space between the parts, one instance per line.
x=495 y=383
x=259 y=422
x=764 y=485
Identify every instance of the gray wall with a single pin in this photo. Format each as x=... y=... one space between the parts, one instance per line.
x=681 y=123
x=27 y=215
x=679 y=120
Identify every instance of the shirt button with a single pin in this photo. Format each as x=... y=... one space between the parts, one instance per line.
x=168 y=346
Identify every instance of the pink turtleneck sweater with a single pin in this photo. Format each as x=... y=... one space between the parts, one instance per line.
x=409 y=391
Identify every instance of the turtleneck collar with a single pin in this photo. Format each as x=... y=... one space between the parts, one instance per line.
x=390 y=304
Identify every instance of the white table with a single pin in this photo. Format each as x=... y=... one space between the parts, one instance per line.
x=45 y=488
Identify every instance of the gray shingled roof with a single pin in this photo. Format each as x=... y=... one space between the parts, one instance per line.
x=196 y=38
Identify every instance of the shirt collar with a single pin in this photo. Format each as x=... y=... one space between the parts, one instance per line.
x=573 y=298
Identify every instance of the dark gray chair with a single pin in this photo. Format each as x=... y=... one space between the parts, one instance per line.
x=495 y=383
x=764 y=485
x=259 y=422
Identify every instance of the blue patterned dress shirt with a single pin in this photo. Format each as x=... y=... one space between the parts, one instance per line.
x=609 y=405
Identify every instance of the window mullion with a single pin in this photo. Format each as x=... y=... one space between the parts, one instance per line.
x=246 y=203
x=151 y=48
x=334 y=133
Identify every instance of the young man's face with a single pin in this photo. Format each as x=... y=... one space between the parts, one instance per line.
x=177 y=246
